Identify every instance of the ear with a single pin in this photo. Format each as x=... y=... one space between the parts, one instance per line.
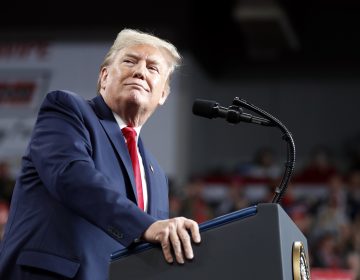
x=103 y=77
x=164 y=94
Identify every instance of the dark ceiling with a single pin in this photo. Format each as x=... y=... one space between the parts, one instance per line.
x=296 y=33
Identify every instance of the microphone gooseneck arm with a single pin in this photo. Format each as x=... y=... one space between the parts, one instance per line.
x=290 y=163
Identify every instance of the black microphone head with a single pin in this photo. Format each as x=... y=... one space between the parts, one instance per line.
x=205 y=108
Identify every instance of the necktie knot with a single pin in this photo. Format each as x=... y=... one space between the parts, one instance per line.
x=129 y=132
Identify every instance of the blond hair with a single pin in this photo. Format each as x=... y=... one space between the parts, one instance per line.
x=130 y=37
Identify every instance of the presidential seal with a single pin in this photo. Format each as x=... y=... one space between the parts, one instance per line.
x=300 y=263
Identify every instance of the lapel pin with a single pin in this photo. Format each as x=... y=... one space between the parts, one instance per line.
x=151 y=168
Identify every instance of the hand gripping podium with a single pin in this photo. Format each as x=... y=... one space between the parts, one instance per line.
x=255 y=243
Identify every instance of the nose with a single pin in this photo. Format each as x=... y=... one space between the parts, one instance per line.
x=139 y=70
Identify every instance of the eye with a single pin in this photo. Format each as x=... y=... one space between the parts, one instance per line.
x=153 y=68
x=129 y=61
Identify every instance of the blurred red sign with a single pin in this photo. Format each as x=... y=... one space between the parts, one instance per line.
x=330 y=274
x=17 y=93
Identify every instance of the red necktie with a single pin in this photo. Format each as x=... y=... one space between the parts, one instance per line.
x=130 y=136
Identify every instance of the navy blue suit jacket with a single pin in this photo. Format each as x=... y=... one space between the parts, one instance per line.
x=74 y=202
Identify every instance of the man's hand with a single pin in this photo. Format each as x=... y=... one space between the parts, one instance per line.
x=173 y=233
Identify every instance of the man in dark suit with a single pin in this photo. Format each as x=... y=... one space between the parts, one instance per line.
x=79 y=196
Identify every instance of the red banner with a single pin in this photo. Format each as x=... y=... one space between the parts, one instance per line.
x=18 y=93
x=331 y=274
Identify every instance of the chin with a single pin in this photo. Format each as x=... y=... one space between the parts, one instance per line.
x=134 y=99
x=138 y=96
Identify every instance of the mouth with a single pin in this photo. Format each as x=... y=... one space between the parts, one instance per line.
x=137 y=86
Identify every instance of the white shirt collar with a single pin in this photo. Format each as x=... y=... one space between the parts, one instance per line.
x=122 y=124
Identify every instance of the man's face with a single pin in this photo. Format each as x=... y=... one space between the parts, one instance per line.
x=136 y=81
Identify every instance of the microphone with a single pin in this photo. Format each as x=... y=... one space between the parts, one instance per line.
x=233 y=114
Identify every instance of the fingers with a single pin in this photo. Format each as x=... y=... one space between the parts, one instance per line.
x=186 y=243
x=194 y=229
x=176 y=244
x=173 y=235
x=180 y=238
x=158 y=232
x=166 y=248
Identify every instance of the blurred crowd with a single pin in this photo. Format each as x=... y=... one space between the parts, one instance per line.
x=323 y=199
x=6 y=188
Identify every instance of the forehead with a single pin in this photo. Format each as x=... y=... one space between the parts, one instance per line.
x=145 y=52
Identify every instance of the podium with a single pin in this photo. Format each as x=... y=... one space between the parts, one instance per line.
x=255 y=243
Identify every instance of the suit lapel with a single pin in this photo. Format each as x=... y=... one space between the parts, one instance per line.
x=113 y=131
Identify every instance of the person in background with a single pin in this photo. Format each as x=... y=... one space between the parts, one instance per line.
x=6 y=182
x=88 y=187
x=353 y=195
x=4 y=215
x=262 y=168
x=319 y=169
